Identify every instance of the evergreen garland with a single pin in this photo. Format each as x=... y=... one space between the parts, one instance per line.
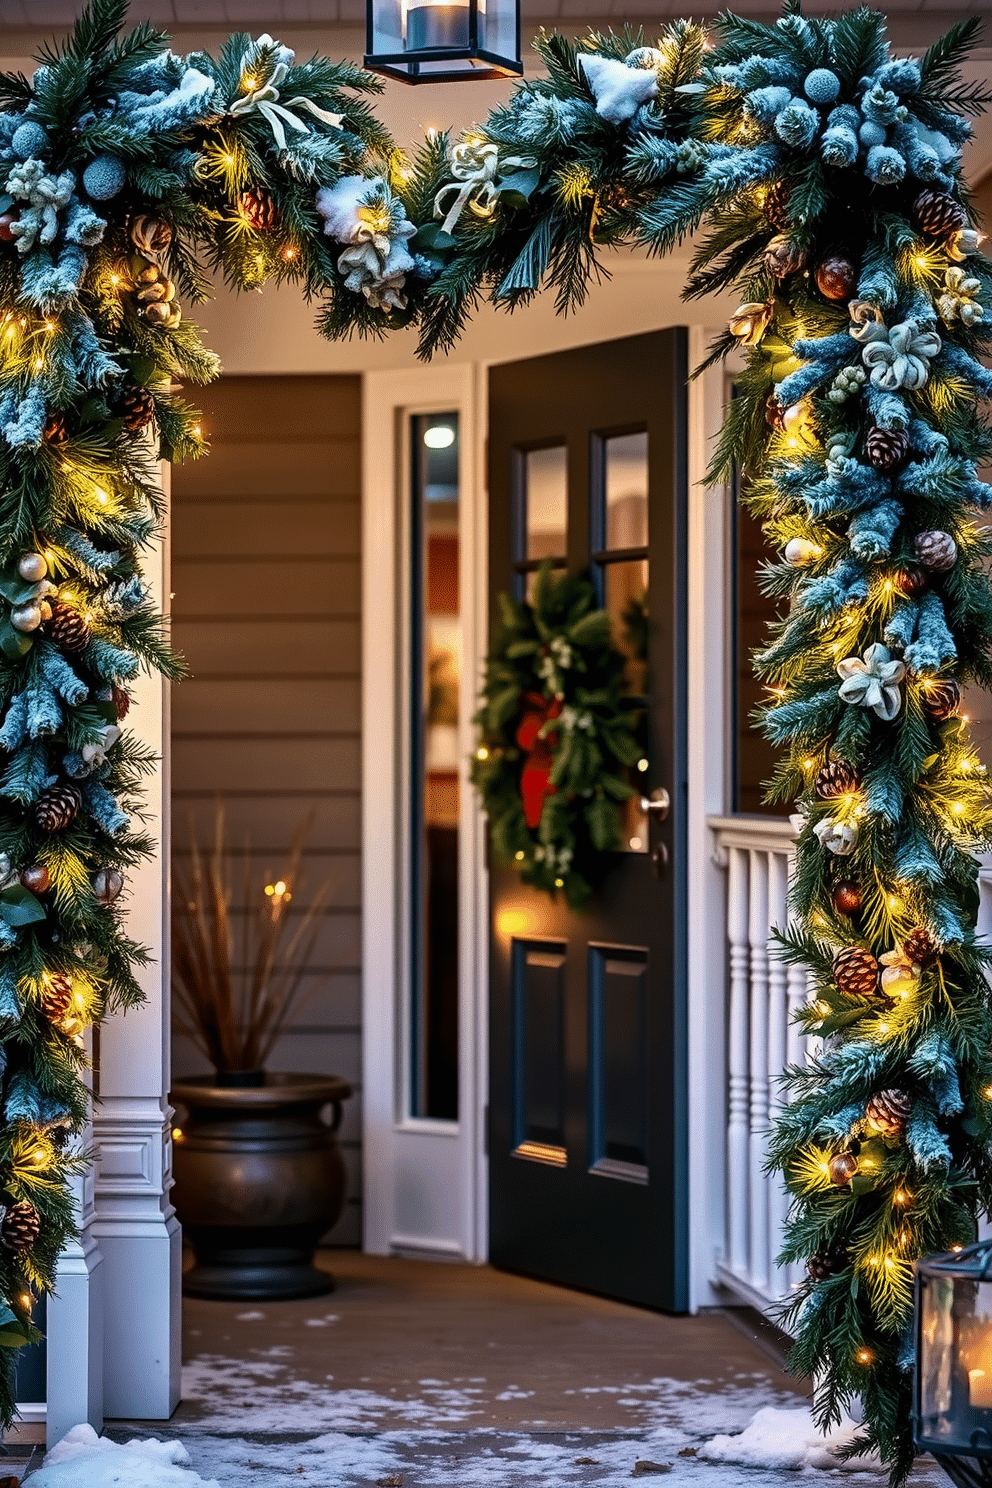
x=556 y=742
x=825 y=177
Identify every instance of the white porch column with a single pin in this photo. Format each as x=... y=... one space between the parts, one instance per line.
x=74 y=1328
x=136 y=1225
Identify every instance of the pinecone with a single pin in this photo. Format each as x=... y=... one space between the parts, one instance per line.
x=937 y=214
x=836 y=778
x=121 y=701
x=826 y=1263
x=920 y=946
x=137 y=407
x=56 y=996
x=55 y=431
x=836 y=279
x=783 y=256
x=888 y=1111
x=774 y=412
x=68 y=628
x=941 y=698
x=856 y=972
x=57 y=806
x=777 y=204
x=937 y=551
x=258 y=208
x=885 y=448
x=21 y=1226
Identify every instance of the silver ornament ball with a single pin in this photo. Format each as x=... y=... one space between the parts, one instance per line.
x=26 y=617
x=107 y=884
x=799 y=551
x=32 y=567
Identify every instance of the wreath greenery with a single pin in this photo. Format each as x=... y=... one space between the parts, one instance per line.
x=557 y=737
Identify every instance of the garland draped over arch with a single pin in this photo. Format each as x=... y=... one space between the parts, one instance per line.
x=825 y=177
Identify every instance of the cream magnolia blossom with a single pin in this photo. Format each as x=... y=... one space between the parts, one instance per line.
x=873 y=681
x=474 y=165
x=838 y=837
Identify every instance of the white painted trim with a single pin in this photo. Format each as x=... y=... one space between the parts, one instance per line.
x=421 y=1177
x=708 y=660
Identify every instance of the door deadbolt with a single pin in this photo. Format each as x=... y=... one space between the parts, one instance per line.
x=658 y=804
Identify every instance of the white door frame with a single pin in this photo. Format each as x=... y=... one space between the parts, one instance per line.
x=424 y=1180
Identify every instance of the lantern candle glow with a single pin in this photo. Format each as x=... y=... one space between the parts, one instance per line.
x=953 y=1384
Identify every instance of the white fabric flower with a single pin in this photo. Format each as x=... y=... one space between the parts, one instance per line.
x=896 y=356
x=837 y=836
x=96 y=753
x=873 y=682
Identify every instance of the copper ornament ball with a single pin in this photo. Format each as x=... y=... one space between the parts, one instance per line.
x=37 y=878
x=107 y=885
x=836 y=279
x=7 y=220
x=842 y=1168
x=911 y=580
x=846 y=897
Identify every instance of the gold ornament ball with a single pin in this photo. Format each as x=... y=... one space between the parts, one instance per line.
x=842 y=1168
x=32 y=567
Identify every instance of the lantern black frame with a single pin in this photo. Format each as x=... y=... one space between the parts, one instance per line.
x=968 y=1465
x=406 y=65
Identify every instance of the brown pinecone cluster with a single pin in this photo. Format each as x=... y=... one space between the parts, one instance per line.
x=886 y=448
x=137 y=407
x=937 y=214
x=887 y=1113
x=836 y=778
x=941 y=698
x=920 y=946
x=827 y=1263
x=856 y=972
x=20 y=1226
x=68 y=627
x=776 y=204
x=57 y=806
x=258 y=208
x=56 y=996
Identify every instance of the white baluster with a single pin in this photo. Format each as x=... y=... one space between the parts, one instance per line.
x=758 y=1124
x=737 y=1060
x=778 y=1020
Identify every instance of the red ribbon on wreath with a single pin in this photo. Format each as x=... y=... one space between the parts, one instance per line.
x=535 y=778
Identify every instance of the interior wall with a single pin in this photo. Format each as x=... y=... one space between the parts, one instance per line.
x=266 y=579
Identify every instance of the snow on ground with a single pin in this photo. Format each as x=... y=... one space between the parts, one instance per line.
x=680 y=1443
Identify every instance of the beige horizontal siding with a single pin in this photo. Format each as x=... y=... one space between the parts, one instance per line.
x=266 y=536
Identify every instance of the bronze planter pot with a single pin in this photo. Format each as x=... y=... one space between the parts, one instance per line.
x=259 y=1178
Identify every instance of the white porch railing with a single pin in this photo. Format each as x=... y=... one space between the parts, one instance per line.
x=762 y=1038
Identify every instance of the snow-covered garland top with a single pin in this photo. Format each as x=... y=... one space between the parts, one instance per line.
x=827 y=176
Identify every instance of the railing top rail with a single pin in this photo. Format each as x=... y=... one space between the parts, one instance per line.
x=762 y=833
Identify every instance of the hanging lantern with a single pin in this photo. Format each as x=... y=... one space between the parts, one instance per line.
x=952 y=1409
x=443 y=42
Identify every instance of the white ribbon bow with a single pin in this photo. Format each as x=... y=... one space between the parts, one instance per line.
x=266 y=100
x=474 y=168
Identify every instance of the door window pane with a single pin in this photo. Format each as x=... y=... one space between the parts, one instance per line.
x=625 y=597
x=625 y=480
x=545 y=503
x=435 y=670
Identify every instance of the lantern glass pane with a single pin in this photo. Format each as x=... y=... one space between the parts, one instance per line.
x=500 y=27
x=387 y=33
x=955 y=1363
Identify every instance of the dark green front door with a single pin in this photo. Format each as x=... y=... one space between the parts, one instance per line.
x=587 y=1138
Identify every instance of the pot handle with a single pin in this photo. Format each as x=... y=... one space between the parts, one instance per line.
x=338 y=1112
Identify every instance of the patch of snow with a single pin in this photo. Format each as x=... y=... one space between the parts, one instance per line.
x=84 y=1460
x=789 y=1439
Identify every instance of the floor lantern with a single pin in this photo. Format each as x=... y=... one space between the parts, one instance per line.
x=443 y=41
x=952 y=1405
